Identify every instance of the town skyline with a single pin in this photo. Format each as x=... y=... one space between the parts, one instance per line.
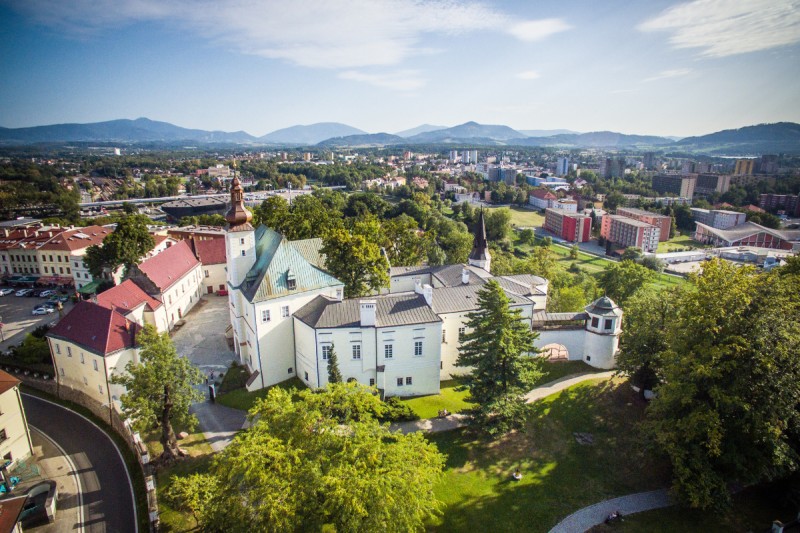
x=665 y=68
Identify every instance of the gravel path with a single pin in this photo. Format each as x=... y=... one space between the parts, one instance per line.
x=591 y=516
x=457 y=420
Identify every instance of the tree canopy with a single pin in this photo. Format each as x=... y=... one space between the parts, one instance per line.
x=125 y=246
x=318 y=461
x=621 y=280
x=356 y=261
x=497 y=347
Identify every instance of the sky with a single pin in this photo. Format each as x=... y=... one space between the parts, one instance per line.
x=655 y=67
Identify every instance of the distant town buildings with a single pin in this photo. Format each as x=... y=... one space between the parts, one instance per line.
x=682 y=186
x=748 y=234
x=572 y=227
x=744 y=167
x=663 y=222
x=718 y=218
x=789 y=203
x=710 y=183
x=612 y=167
x=626 y=232
x=562 y=166
x=542 y=198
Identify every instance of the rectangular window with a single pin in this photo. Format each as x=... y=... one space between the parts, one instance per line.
x=85 y=381
x=306 y=376
x=417 y=348
x=326 y=352
x=444 y=336
x=291 y=370
x=94 y=363
x=285 y=311
x=206 y=273
x=241 y=241
x=100 y=388
x=595 y=322
x=399 y=382
x=69 y=351
x=371 y=382
x=243 y=253
x=608 y=323
x=62 y=372
x=265 y=315
x=388 y=351
x=82 y=360
x=408 y=381
x=356 y=351
x=58 y=348
x=461 y=332
x=3 y=435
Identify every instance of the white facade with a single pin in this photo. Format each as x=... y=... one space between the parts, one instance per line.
x=15 y=444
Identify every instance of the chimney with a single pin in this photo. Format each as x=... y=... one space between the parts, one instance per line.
x=427 y=292
x=417 y=286
x=465 y=276
x=367 y=312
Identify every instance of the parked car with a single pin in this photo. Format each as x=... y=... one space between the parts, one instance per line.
x=59 y=298
x=47 y=293
x=43 y=310
x=51 y=305
x=6 y=291
x=23 y=292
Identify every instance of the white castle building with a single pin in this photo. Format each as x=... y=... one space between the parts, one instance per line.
x=288 y=313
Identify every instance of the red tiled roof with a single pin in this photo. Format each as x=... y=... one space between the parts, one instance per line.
x=97 y=328
x=170 y=265
x=7 y=382
x=543 y=194
x=210 y=251
x=77 y=239
x=127 y=295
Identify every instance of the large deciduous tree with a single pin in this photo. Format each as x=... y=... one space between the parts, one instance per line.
x=622 y=279
x=498 y=347
x=318 y=462
x=125 y=246
x=726 y=413
x=354 y=260
x=160 y=390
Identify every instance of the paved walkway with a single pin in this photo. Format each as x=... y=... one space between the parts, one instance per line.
x=457 y=420
x=594 y=515
x=219 y=423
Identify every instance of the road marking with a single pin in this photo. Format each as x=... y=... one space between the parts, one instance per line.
x=119 y=453
x=74 y=473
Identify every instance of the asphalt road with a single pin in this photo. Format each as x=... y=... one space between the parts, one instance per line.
x=107 y=493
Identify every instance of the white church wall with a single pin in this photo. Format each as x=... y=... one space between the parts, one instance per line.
x=423 y=370
x=600 y=351
x=305 y=345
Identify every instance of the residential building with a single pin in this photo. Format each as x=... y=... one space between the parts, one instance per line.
x=571 y=227
x=61 y=257
x=649 y=161
x=710 y=183
x=744 y=167
x=748 y=234
x=663 y=222
x=566 y=204
x=562 y=166
x=90 y=345
x=15 y=438
x=682 y=186
x=751 y=179
x=174 y=277
x=612 y=167
x=133 y=303
x=768 y=164
x=626 y=232
x=789 y=203
x=542 y=198
x=211 y=254
x=718 y=218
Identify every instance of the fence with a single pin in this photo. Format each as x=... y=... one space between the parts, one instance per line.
x=111 y=418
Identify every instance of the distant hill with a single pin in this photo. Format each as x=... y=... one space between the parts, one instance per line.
x=122 y=130
x=546 y=133
x=311 y=134
x=423 y=128
x=596 y=139
x=781 y=137
x=467 y=132
x=367 y=139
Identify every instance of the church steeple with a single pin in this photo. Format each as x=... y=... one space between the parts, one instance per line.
x=480 y=256
x=238 y=216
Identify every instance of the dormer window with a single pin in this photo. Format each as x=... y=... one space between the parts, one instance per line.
x=291 y=281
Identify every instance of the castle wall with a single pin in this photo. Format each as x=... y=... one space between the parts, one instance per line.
x=572 y=339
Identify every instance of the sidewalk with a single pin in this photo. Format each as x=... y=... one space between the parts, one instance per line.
x=457 y=420
x=54 y=466
x=218 y=423
x=594 y=515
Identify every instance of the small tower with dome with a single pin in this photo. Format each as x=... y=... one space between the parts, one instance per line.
x=240 y=244
x=603 y=328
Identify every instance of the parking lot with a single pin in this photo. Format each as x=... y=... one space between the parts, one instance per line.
x=15 y=314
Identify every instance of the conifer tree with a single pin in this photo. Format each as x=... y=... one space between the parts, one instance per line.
x=334 y=375
x=498 y=347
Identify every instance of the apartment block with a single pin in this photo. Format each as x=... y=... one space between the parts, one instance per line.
x=624 y=232
x=572 y=227
x=718 y=218
x=682 y=186
x=790 y=203
x=663 y=222
x=711 y=183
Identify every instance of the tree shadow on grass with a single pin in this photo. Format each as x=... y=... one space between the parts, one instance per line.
x=559 y=475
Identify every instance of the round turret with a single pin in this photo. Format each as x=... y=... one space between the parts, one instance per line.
x=238 y=215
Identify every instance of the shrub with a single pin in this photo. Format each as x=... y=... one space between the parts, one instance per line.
x=397 y=411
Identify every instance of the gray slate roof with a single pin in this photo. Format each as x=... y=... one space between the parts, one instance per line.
x=310 y=250
x=465 y=298
x=543 y=316
x=275 y=258
x=450 y=275
x=524 y=284
x=391 y=310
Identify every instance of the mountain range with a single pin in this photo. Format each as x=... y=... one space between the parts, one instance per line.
x=782 y=137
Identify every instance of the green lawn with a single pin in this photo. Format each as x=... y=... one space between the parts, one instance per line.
x=560 y=369
x=752 y=510
x=244 y=400
x=559 y=475
x=449 y=397
x=522 y=217
x=679 y=243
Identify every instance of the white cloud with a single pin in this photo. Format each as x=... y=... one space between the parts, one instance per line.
x=729 y=27
x=664 y=74
x=529 y=75
x=404 y=80
x=537 y=30
x=338 y=34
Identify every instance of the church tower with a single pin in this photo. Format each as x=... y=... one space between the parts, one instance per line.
x=240 y=244
x=479 y=257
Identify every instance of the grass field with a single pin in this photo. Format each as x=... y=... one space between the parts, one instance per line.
x=522 y=217
x=678 y=243
x=559 y=475
x=242 y=399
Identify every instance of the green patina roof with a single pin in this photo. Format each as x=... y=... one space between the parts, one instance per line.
x=276 y=259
